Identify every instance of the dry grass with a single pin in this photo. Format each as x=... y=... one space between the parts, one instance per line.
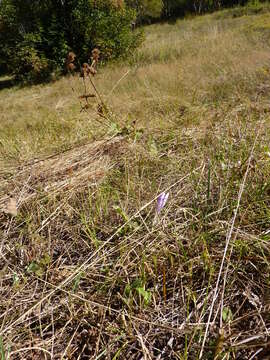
x=88 y=270
x=190 y=63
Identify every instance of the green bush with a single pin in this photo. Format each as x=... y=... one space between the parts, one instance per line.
x=146 y=9
x=105 y=25
x=36 y=36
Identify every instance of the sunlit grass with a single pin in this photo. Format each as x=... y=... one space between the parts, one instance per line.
x=190 y=118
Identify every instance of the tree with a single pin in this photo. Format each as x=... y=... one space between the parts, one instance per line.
x=146 y=9
x=173 y=8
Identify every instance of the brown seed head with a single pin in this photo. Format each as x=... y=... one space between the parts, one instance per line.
x=69 y=61
x=71 y=67
x=95 y=54
x=85 y=71
x=71 y=57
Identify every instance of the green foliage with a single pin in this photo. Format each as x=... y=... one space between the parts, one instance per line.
x=2 y=351
x=227 y=314
x=77 y=282
x=146 y=9
x=180 y=7
x=39 y=267
x=28 y=62
x=36 y=35
x=139 y=287
x=105 y=26
x=155 y=9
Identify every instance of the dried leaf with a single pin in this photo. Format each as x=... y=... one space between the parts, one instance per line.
x=11 y=208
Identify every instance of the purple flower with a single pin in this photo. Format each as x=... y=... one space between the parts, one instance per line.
x=161 y=201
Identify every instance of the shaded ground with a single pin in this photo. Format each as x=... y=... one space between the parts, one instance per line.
x=6 y=82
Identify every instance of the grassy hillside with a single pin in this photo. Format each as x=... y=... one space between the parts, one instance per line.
x=89 y=269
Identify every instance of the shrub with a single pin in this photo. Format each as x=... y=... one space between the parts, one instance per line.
x=146 y=9
x=103 y=24
x=36 y=35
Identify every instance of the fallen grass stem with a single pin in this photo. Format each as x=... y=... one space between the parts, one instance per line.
x=228 y=238
x=85 y=264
